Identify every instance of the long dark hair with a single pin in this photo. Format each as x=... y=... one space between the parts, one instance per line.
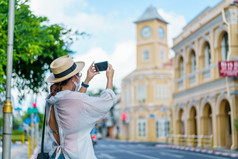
x=57 y=87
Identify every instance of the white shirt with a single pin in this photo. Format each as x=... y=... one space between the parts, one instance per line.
x=76 y=114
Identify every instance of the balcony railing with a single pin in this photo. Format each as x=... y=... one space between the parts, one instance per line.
x=206 y=73
x=192 y=78
x=180 y=82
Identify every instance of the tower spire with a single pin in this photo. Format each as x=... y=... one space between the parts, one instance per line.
x=150 y=13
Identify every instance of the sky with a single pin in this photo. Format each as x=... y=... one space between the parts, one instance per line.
x=112 y=30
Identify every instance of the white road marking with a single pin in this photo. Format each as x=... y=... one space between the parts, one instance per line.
x=140 y=145
x=141 y=155
x=210 y=156
x=172 y=155
x=163 y=152
x=106 y=156
x=102 y=146
x=195 y=153
x=119 y=145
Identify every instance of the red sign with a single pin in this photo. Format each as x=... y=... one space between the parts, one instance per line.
x=123 y=116
x=228 y=68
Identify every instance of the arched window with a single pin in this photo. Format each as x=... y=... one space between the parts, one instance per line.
x=207 y=55
x=193 y=60
x=181 y=67
x=224 y=47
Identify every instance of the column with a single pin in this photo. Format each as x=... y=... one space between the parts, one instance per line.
x=234 y=115
x=151 y=129
x=221 y=130
x=204 y=125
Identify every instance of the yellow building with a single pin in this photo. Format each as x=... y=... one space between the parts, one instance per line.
x=205 y=103
x=147 y=91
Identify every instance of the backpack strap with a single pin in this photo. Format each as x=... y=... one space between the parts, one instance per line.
x=43 y=133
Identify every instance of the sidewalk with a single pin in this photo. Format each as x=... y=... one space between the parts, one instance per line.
x=20 y=153
x=218 y=152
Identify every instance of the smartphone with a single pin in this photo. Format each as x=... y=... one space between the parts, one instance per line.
x=101 y=66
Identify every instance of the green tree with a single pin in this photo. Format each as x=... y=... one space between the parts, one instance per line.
x=36 y=44
x=1 y=121
x=16 y=123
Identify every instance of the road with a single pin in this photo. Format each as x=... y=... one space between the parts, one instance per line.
x=107 y=149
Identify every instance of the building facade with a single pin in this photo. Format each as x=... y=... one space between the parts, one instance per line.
x=147 y=91
x=203 y=102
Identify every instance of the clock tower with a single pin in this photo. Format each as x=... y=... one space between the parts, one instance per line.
x=152 y=41
x=146 y=95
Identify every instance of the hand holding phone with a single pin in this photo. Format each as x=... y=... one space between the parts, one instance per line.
x=109 y=74
x=101 y=66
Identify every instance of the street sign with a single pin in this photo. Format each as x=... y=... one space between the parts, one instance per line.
x=36 y=119
x=27 y=121
x=17 y=109
x=228 y=68
x=32 y=110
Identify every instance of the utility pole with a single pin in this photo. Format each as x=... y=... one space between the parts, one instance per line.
x=7 y=108
x=32 y=124
x=32 y=133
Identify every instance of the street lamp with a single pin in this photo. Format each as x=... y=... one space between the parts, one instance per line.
x=7 y=108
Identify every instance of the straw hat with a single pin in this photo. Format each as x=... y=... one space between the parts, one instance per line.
x=63 y=68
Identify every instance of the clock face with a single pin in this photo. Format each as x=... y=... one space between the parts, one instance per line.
x=146 y=32
x=161 y=32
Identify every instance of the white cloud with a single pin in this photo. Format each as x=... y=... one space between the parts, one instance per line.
x=58 y=11
x=123 y=60
x=123 y=57
x=175 y=26
x=55 y=8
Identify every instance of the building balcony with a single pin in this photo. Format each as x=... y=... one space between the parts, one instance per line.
x=180 y=82
x=206 y=73
x=196 y=78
